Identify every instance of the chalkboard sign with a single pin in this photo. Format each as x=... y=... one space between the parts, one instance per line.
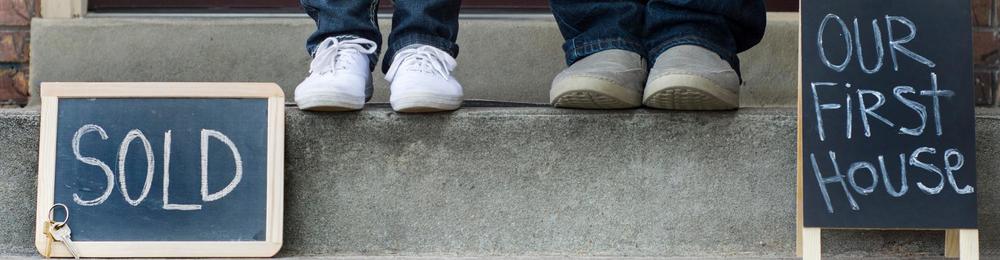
x=164 y=169
x=886 y=114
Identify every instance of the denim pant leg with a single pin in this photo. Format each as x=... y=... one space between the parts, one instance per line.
x=428 y=22
x=343 y=19
x=591 y=26
x=726 y=27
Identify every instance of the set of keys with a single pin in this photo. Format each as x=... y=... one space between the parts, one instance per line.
x=59 y=232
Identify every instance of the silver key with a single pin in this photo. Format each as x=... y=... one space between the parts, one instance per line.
x=62 y=234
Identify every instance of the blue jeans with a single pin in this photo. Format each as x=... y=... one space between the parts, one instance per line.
x=428 y=22
x=650 y=27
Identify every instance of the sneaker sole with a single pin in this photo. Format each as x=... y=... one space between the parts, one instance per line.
x=593 y=93
x=330 y=103
x=425 y=104
x=688 y=92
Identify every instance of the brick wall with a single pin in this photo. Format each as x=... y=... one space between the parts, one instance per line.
x=15 y=19
x=986 y=51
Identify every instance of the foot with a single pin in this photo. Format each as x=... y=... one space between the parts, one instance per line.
x=689 y=77
x=420 y=80
x=611 y=79
x=340 y=78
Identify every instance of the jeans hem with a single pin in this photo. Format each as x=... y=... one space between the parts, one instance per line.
x=438 y=42
x=576 y=49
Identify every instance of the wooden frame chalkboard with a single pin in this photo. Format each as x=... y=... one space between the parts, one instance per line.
x=961 y=237
x=270 y=93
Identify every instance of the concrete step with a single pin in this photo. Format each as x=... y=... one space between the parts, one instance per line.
x=505 y=58
x=536 y=181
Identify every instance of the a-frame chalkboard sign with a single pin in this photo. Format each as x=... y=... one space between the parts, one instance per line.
x=886 y=123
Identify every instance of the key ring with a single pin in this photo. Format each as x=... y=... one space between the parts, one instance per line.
x=62 y=223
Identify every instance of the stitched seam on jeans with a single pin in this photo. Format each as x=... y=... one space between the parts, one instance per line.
x=605 y=44
x=586 y=48
x=373 y=12
x=338 y=37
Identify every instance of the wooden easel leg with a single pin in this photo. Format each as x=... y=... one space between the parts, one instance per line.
x=798 y=241
x=811 y=244
x=968 y=240
x=951 y=243
x=961 y=243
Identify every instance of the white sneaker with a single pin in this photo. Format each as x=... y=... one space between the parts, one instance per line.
x=421 y=81
x=340 y=78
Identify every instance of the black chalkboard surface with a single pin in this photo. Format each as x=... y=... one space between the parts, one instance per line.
x=237 y=215
x=163 y=169
x=886 y=110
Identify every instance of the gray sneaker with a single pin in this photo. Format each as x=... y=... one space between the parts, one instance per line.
x=689 y=77
x=610 y=79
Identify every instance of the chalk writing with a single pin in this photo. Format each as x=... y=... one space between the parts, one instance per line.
x=863 y=177
x=123 y=152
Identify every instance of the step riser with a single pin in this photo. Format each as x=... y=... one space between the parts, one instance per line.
x=501 y=59
x=533 y=181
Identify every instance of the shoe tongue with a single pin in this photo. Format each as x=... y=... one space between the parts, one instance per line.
x=420 y=65
x=344 y=58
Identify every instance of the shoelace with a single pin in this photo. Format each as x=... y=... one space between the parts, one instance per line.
x=425 y=59
x=329 y=54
